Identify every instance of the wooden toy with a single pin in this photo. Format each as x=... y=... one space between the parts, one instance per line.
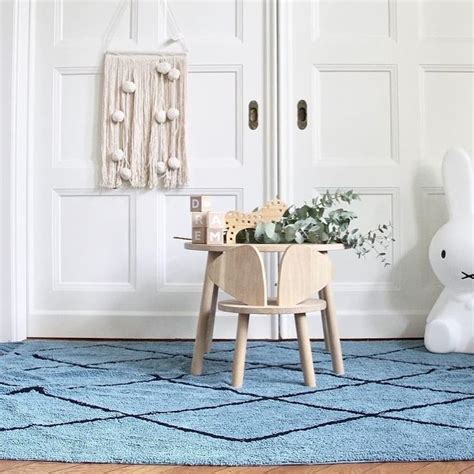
x=199 y=235
x=215 y=235
x=216 y=220
x=200 y=203
x=199 y=219
x=236 y=221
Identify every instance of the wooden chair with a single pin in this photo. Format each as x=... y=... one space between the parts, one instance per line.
x=240 y=273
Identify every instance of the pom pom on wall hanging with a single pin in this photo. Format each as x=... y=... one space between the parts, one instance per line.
x=143 y=121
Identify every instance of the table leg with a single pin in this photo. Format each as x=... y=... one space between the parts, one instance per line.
x=333 y=331
x=212 y=318
x=324 y=321
x=205 y=311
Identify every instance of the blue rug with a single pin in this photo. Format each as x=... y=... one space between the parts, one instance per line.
x=135 y=402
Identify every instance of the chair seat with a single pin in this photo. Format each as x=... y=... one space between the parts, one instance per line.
x=307 y=306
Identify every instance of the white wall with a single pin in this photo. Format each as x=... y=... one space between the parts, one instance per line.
x=6 y=23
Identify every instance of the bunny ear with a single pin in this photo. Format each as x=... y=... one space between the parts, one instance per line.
x=458 y=180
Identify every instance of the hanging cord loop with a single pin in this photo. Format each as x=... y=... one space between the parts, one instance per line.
x=175 y=34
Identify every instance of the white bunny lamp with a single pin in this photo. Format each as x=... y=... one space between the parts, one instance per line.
x=450 y=324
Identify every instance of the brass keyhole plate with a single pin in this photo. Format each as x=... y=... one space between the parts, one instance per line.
x=253 y=114
x=302 y=114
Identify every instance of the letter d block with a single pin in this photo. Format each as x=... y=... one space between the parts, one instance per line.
x=200 y=203
x=215 y=236
x=199 y=235
x=216 y=220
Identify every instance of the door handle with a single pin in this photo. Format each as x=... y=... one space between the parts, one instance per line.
x=253 y=114
x=302 y=114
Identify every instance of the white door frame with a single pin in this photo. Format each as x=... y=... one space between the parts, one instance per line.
x=19 y=172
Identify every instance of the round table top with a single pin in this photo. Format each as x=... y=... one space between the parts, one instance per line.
x=260 y=247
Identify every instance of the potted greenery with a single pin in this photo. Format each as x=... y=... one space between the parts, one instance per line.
x=324 y=222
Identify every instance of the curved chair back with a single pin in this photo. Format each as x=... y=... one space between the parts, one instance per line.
x=241 y=274
x=303 y=272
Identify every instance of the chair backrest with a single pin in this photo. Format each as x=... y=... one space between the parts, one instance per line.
x=241 y=274
x=303 y=272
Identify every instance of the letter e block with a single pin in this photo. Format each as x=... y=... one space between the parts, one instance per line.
x=216 y=220
x=199 y=219
x=199 y=235
x=200 y=203
x=215 y=236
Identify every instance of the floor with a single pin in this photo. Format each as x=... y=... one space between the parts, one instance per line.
x=466 y=467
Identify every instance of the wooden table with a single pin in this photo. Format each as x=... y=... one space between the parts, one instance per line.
x=207 y=312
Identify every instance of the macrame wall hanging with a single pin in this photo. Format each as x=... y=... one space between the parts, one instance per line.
x=143 y=120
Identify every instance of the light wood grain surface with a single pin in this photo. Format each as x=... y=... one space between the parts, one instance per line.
x=304 y=346
x=238 y=367
x=303 y=272
x=307 y=306
x=240 y=273
x=206 y=318
x=260 y=247
x=466 y=467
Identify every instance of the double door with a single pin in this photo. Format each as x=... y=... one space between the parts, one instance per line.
x=387 y=87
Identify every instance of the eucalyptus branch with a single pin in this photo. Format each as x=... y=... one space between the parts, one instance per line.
x=323 y=221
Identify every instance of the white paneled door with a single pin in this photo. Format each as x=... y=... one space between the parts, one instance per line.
x=104 y=263
x=389 y=87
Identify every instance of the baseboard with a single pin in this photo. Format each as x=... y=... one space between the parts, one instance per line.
x=364 y=325
x=181 y=325
x=140 y=325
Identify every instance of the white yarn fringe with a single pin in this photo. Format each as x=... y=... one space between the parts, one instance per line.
x=145 y=142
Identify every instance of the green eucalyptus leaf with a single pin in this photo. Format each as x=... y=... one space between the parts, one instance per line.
x=299 y=238
x=259 y=231
x=290 y=232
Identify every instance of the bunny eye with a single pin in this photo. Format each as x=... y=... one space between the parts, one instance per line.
x=443 y=254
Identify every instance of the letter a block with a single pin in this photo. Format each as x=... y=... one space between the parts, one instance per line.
x=216 y=220
x=215 y=236
x=199 y=219
x=200 y=203
x=199 y=235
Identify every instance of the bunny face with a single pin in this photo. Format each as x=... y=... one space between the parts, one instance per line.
x=452 y=256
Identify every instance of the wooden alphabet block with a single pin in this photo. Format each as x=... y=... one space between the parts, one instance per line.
x=199 y=235
x=216 y=220
x=200 y=203
x=215 y=236
x=199 y=219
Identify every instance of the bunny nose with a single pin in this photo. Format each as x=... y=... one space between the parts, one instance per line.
x=465 y=275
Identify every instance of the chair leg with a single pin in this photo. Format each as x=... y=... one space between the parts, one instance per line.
x=304 y=345
x=333 y=332
x=240 y=351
